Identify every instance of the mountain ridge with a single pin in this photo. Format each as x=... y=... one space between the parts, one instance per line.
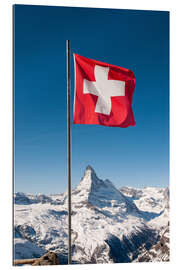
x=104 y=220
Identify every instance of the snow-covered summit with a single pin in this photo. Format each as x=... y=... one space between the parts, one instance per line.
x=94 y=192
x=89 y=180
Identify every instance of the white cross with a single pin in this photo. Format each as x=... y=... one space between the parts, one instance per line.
x=104 y=89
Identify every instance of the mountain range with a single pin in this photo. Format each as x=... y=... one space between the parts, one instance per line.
x=109 y=225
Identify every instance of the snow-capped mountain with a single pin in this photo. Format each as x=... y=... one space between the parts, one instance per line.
x=26 y=199
x=152 y=202
x=108 y=225
x=150 y=199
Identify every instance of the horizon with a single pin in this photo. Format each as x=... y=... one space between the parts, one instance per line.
x=134 y=39
x=49 y=194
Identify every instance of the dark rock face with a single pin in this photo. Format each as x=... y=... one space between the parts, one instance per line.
x=25 y=231
x=158 y=252
x=118 y=252
x=49 y=258
x=128 y=248
x=97 y=256
x=21 y=198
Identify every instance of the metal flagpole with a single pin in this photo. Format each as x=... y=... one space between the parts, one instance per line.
x=69 y=146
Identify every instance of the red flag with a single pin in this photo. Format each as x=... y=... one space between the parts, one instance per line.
x=103 y=93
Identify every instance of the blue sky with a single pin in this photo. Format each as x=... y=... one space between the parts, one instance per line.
x=138 y=40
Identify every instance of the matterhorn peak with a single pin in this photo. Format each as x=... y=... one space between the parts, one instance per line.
x=88 y=167
x=95 y=191
x=88 y=182
x=90 y=178
x=90 y=172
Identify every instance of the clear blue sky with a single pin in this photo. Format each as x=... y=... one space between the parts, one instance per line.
x=138 y=40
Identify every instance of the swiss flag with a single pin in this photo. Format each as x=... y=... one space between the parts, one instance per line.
x=103 y=93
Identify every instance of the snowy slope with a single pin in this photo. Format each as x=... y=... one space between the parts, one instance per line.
x=150 y=199
x=152 y=202
x=162 y=221
x=43 y=224
x=108 y=225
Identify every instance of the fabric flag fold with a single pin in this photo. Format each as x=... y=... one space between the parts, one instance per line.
x=103 y=93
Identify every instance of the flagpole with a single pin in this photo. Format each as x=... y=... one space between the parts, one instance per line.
x=69 y=145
